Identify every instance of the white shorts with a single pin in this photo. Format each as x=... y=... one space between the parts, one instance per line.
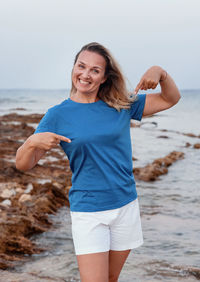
x=101 y=231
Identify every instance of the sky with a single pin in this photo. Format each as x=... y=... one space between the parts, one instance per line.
x=40 y=38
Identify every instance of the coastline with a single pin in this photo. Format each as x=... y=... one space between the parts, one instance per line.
x=28 y=198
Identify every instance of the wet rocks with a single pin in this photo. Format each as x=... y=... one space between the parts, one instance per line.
x=32 y=118
x=144 y=124
x=194 y=271
x=163 y=136
x=182 y=133
x=187 y=144
x=134 y=124
x=151 y=172
x=167 y=270
x=24 y=198
x=24 y=202
x=6 y=203
x=7 y=193
x=196 y=146
x=191 y=135
x=26 y=215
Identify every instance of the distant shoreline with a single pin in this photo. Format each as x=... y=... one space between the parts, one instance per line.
x=68 y=89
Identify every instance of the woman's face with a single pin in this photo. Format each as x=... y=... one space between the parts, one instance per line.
x=88 y=72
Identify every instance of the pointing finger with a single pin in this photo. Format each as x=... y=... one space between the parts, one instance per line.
x=138 y=87
x=63 y=138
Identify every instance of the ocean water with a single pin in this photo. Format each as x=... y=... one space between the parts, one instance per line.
x=33 y=101
x=170 y=207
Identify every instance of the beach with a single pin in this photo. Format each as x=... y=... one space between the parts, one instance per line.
x=36 y=242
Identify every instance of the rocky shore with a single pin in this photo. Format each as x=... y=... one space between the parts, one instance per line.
x=26 y=198
x=152 y=171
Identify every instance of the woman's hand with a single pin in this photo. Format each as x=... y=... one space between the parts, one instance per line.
x=46 y=140
x=156 y=102
x=151 y=78
x=35 y=147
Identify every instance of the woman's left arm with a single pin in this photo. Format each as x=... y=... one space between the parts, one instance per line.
x=168 y=96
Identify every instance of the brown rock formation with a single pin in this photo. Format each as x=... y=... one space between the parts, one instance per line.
x=182 y=133
x=187 y=144
x=191 y=135
x=197 y=146
x=24 y=202
x=152 y=171
x=163 y=136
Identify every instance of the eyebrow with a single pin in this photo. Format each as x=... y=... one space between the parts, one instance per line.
x=96 y=67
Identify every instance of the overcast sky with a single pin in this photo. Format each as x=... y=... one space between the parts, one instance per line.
x=39 y=39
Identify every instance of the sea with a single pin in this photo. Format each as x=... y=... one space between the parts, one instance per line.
x=170 y=206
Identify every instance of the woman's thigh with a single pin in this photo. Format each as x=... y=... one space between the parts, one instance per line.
x=94 y=267
x=116 y=262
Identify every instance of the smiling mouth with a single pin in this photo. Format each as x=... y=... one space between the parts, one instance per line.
x=84 y=82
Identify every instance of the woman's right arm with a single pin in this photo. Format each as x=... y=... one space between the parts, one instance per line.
x=35 y=147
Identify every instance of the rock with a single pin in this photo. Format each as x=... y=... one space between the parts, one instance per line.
x=182 y=133
x=187 y=144
x=29 y=188
x=191 y=135
x=163 y=136
x=4 y=261
x=18 y=245
x=32 y=118
x=134 y=124
x=194 y=271
x=43 y=205
x=196 y=146
x=134 y=159
x=24 y=198
x=9 y=185
x=67 y=190
x=57 y=185
x=19 y=109
x=151 y=172
x=26 y=204
x=7 y=193
x=19 y=190
x=6 y=203
x=149 y=124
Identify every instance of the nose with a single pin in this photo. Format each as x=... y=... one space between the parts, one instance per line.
x=86 y=74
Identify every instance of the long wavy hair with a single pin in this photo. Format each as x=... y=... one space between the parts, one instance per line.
x=113 y=91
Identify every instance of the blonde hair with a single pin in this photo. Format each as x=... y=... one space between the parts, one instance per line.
x=113 y=91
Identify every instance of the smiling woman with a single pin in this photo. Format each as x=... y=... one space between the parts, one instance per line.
x=93 y=129
x=87 y=76
x=95 y=67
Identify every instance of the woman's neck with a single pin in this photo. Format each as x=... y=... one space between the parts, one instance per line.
x=84 y=98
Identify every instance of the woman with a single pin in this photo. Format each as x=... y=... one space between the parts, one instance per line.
x=93 y=128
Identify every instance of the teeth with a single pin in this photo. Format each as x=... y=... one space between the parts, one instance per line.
x=83 y=82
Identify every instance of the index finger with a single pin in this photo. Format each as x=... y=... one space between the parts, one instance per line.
x=138 y=87
x=63 y=138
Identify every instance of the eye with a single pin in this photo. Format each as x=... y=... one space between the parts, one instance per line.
x=95 y=71
x=81 y=66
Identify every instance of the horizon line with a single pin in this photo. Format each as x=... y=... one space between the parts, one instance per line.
x=67 y=89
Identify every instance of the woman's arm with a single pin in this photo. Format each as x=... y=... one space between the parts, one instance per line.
x=28 y=155
x=35 y=147
x=168 y=96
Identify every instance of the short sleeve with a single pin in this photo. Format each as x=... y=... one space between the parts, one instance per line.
x=47 y=123
x=137 y=107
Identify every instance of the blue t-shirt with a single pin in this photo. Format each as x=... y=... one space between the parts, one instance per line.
x=100 y=154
